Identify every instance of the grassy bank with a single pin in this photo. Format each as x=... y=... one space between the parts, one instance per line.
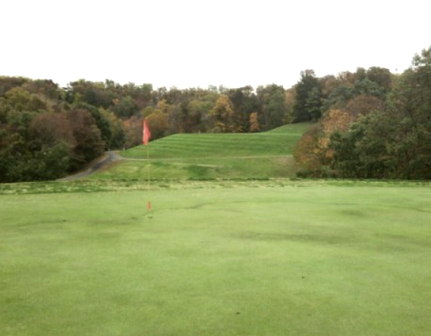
x=278 y=142
x=211 y=156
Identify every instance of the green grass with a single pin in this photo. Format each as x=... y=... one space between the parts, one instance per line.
x=212 y=156
x=278 y=142
x=274 y=257
x=298 y=128
x=247 y=253
x=199 y=169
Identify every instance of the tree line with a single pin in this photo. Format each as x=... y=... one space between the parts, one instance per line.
x=373 y=125
x=47 y=131
x=369 y=123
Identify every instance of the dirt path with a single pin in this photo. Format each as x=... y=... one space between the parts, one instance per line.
x=102 y=162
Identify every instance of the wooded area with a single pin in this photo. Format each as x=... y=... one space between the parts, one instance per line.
x=370 y=123
x=378 y=125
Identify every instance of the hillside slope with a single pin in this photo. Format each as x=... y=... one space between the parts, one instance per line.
x=211 y=156
x=278 y=142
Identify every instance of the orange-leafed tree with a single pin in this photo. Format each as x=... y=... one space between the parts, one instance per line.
x=313 y=153
x=222 y=114
x=254 y=122
x=307 y=153
x=336 y=120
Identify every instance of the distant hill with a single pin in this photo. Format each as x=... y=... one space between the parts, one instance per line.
x=212 y=156
x=280 y=141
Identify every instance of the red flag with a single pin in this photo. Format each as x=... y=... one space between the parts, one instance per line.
x=146 y=135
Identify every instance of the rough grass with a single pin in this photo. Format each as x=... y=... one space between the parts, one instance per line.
x=274 y=257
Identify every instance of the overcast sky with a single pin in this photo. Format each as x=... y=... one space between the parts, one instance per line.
x=196 y=43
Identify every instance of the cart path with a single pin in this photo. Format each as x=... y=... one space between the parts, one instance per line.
x=100 y=163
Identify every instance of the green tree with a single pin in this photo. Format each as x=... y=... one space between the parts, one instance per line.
x=43 y=87
x=88 y=139
x=308 y=91
x=117 y=135
x=362 y=152
x=244 y=103
x=98 y=94
x=7 y=83
x=396 y=142
x=272 y=106
x=313 y=104
x=126 y=107
x=158 y=124
x=100 y=118
x=20 y=99
x=410 y=105
x=382 y=77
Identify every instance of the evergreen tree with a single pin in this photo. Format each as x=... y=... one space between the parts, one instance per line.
x=308 y=102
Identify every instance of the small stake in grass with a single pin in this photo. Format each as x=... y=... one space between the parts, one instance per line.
x=146 y=134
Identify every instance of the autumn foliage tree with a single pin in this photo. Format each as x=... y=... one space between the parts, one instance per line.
x=222 y=115
x=364 y=104
x=254 y=122
x=308 y=154
x=313 y=151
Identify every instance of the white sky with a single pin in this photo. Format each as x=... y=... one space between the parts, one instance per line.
x=196 y=43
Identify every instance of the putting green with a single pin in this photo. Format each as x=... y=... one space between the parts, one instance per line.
x=218 y=258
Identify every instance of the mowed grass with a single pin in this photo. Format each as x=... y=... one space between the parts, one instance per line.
x=217 y=258
x=212 y=156
x=199 y=169
x=280 y=141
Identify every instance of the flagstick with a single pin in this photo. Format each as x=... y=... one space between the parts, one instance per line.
x=145 y=137
x=148 y=178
